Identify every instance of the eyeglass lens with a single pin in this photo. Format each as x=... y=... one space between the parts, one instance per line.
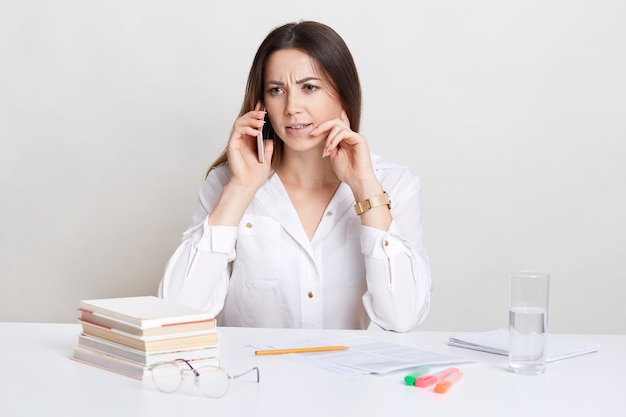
x=167 y=377
x=211 y=381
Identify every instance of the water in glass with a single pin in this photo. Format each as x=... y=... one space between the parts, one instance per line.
x=527 y=345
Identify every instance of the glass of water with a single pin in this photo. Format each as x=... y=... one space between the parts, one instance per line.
x=528 y=321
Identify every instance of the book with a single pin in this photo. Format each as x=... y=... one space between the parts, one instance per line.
x=112 y=323
x=198 y=339
x=143 y=312
x=142 y=357
x=123 y=366
x=497 y=341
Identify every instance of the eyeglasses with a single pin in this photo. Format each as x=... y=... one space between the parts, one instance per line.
x=211 y=381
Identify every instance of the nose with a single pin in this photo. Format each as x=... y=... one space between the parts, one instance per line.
x=294 y=104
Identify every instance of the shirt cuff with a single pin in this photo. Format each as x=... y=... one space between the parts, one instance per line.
x=218 y=239
x=380 y=244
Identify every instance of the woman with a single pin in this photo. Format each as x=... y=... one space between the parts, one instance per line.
x=281 y=243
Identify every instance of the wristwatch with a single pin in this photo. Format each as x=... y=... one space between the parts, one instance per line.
x=378 y=200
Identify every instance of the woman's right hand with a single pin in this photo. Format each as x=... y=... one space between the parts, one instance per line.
x=247 y=174
x=243 y=162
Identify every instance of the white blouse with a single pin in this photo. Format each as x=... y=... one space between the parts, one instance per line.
x=267 y=273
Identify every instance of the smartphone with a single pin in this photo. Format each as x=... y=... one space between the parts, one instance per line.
x=263 y=134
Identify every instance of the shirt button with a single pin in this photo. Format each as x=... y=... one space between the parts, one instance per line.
x=329 y=213
x=249 y=225
x=386 y=242
x=310 y=294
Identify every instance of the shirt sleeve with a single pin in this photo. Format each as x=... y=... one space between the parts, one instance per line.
x=197 y=274
x=396 y=262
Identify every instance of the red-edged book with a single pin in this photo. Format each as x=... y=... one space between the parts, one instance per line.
x=144 y=316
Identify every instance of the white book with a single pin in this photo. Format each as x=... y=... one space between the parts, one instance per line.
x=144 y=312
x=142 y=357
x=497 y=341
x=154 y=343
x=122 y=366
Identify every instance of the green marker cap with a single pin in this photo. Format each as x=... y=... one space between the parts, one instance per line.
x=410 y=378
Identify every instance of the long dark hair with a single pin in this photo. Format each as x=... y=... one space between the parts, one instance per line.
x=332 y=57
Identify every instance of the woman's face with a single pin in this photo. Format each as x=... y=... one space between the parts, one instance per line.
x=298 y=99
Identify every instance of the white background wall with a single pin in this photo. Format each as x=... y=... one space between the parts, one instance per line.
x=512 y=113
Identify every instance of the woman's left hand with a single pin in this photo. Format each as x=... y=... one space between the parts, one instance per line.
x=351 y=160
x=347 y=150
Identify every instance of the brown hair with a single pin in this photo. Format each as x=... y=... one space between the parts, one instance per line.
x=333 y=59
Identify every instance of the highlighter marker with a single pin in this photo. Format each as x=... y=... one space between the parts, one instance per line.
x=427 y=380
x=450 y=380
x=410 y=378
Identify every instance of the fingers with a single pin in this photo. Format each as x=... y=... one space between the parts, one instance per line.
x=243 y=155
x=337 y=131
x=337 y=135
x=250 y=128
x=251 y=123
x=327 y=126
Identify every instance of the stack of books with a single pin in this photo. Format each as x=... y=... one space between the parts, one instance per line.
x=128 y=335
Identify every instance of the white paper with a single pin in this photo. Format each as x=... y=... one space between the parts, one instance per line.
x=363 y=356
x=497 y=341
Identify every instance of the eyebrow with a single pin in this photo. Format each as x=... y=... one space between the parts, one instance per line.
x=302 y=81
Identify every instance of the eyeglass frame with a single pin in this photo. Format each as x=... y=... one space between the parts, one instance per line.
x=196 y=375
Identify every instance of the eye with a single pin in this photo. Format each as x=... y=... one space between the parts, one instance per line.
x=309 y=88
x=275 y=91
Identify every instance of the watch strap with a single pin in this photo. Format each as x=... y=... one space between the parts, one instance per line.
x=378 y=200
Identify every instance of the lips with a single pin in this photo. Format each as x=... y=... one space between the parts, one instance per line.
x=299 y=126
x=298 y=129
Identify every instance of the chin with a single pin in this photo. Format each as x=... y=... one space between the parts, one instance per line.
x=304 y=145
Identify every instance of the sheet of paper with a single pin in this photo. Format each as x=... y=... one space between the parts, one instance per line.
x=363 y=356
x=497 y=341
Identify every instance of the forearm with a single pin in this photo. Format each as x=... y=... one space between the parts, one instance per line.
x=232 y=205
x=197 y=274
x=398 y=280
x=377 y=217
x=402 y=304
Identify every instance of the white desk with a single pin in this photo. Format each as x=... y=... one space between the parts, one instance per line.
x=37 y=378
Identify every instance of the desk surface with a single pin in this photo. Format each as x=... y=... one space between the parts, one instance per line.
x=37 y=378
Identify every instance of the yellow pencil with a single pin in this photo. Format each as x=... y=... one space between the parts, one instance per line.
x=299 y=350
